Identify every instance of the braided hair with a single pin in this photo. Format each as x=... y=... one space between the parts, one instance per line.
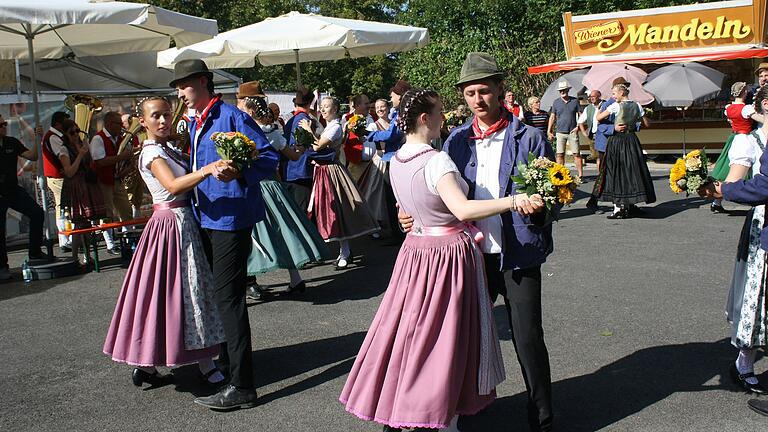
x=760 y=96
x=258 y=105
x=139 y=110
x=414 y=103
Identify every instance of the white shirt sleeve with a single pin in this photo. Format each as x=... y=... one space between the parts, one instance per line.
x=97 y=148
x=582 y=117
x=57 y=146
x=642 y=110
x=150 y=153
x=742 y=151
x=438 y=166
x=613 y=108
x=747 y=111
x=332 y=132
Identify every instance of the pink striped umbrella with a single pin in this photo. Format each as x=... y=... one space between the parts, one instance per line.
x=601 y=76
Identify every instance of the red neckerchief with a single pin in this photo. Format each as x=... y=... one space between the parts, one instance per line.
x=502 y=123
x=300 y=110
x=200 y=119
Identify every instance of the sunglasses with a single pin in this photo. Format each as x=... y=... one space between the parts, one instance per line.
x=3 y=124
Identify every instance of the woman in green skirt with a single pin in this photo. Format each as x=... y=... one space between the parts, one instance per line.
x=285 y=238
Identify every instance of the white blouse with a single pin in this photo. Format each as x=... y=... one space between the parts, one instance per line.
x=746 y=151
x=615 y=107
x=149 y=153
x=438 y=166
x=333 y=133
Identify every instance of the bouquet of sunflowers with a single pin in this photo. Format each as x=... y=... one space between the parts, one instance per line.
x=551 y=180
x=689 y=173
x=356 y=125
x=303 y=138
x=236 y=147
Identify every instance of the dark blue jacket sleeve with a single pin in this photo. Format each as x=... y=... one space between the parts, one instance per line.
x=753 y=191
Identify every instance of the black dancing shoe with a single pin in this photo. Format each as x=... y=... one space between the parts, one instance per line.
x=759 y=406
x=229 y=398
x=717 y=208
x=155 y=379
x=300 y=288
x=390 y=429
x=621 y=214
x=741 y=379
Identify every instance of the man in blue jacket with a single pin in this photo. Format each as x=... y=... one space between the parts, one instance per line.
x=487 y=152
x=298 y=173
x=228 y=207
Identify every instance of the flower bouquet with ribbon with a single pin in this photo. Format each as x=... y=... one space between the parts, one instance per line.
x=551 y=180
x=356 y=125
x=689 y=173
x=236 y=147
x=303 y=138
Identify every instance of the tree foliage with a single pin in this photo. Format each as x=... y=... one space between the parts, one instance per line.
x=519 y=33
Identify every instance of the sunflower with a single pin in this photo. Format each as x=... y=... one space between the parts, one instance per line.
x=564 y=195
x=673 y=185
x=559 y=175
x=678 y=171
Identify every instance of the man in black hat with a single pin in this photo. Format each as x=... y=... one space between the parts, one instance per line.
x=227 y=207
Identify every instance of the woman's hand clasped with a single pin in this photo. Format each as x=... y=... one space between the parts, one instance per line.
x=527 y=205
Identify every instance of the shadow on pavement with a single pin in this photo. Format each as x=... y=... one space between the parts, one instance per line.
x=17 y=288
x=620 y=389
x=277 y=364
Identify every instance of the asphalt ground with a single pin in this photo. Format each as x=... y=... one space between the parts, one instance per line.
x=633 y=317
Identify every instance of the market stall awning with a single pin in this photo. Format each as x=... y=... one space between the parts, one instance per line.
x=732 y=52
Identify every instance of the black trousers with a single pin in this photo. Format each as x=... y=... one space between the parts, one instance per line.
x=19 y=200
x=227 y=253
x=522 y=296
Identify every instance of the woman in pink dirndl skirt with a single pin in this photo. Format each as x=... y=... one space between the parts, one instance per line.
x=166 y=314
x=335 y=204
x=432 y=351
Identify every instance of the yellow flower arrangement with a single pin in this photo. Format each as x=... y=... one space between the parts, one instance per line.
x=236 y=147
x=689 y=173
x=552 y=181
x=559 y=175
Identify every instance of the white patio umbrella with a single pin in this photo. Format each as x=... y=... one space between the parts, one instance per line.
x=295 y=38
x=31 y=29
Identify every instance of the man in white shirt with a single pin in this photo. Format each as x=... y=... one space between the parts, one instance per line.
x=587 y=123
x=53 y=148
x=103 y=149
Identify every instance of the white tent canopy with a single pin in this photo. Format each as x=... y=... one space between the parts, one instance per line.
x=114 y=74
x=296 y=37
x=49 y=29
x=88 y=28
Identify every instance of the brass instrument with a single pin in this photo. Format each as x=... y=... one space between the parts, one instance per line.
x=180 y=127
x=83 y=107
x=129 y=168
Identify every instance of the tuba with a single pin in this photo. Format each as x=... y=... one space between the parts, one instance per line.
x=180 y=126
x=129 y=168
x=83 y=107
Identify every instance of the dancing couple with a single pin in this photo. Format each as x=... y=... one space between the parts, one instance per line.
x=183 y=298
x=432 y=352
